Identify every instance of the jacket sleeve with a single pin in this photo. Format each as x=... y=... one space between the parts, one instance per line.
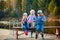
x=22 y=21
x=44 y=19
x=35 y=18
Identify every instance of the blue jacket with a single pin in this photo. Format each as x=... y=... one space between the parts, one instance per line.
x=41 y=20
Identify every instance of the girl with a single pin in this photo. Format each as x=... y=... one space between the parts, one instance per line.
x=24 y=22
x=31 y=20
x=40 y=23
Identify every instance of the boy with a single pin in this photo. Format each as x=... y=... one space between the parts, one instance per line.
x=40 y=23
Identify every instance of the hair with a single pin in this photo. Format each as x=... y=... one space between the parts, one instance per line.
x=32 y=10
x=24 y=14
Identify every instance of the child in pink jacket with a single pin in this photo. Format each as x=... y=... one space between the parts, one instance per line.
x=31 y=20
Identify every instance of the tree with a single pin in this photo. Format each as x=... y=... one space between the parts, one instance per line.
x=1 y=5
x=57 y=3
x=43 y=5
x=54 y=7
x=2 y=9
x=18 y=8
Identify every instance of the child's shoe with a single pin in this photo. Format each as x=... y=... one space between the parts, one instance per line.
x=26 y=33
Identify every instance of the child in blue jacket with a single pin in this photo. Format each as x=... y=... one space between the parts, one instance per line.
x=40 y=23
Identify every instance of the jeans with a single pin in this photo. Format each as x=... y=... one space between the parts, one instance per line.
x=40 y=27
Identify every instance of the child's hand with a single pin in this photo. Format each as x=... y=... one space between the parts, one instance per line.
x=22 y=21
x=32 y=21
x=42 y=19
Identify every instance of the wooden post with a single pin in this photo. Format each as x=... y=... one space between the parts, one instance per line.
x=17 y=33
x=58 y=32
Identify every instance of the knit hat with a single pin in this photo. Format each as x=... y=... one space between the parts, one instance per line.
x=39 y=12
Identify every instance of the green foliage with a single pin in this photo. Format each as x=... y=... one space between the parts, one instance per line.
x=53 y=8
x=2 y=5
x=41 y=4
x=57 y=3
x=48 y=6
x=57 y=11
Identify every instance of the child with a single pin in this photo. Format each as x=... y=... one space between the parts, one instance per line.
x=24 y=22
x=40 y=23
x=31 y=20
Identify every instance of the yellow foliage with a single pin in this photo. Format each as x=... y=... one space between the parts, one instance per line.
x=55 y=10
x=51 y=6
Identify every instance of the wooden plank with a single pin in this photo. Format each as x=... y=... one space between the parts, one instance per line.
x=52 y=27
x=34 y=27
x=17 y=28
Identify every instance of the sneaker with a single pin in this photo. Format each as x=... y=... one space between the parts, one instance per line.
x=42 y=35
x=26 y=33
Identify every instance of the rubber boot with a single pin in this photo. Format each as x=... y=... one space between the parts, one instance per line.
x=31 y=34
x=42 y=35
x=36 y=36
